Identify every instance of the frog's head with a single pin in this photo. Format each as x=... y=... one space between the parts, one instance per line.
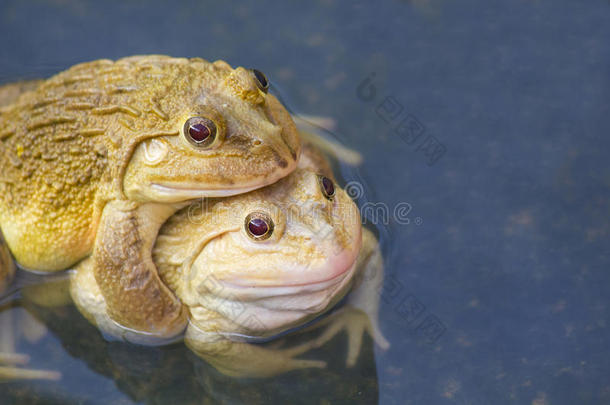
x=223 y=135
x=270 y=259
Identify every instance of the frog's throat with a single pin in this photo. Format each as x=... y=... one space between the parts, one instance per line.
x=273 y=313
x=249 y=291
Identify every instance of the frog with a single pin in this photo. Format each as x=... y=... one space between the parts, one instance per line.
x=94 y=159
x=251 y=267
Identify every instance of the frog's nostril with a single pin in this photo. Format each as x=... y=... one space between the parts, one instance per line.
x=261 y=80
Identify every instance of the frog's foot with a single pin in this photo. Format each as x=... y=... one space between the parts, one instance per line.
x=315 y=121
x=9 y=369
x=311 y=129
x=134 y=295
x=355 y=322
x=238 y=359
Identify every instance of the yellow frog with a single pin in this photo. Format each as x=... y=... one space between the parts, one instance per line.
x=255 y=265
x=96 y=158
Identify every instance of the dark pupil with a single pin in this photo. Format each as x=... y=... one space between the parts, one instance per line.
x=258 y=227
x=329 y=187
x=262 y=79
x=199 y=132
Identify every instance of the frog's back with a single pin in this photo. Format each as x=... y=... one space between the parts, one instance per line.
x=62 y=143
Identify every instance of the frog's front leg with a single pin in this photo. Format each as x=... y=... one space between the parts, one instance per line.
x=360 y=314
x=310 y=132
x=134 y=295
x=239 y=359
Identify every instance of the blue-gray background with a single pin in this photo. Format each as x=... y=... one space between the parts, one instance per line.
x=510 y=254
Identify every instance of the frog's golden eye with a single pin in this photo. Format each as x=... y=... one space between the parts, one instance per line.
x=261 y=80
x=200 y=131
x=259 y=226
x=327 y=186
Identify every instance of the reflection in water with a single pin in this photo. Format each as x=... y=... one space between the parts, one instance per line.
x=12 y=363
x=170 y=374
x=16 y=323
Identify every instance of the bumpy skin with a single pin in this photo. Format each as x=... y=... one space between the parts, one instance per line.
x=94 y=159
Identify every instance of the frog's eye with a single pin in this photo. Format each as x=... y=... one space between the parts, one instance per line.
x=327 y=186
x=258 y=226
x=200 y=131
x=261 y=80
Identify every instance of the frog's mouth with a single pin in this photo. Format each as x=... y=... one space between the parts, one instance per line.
x=313 y=285
x=249 y=289
x=174 y=193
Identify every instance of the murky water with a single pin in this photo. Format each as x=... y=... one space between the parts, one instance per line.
x=484 y=129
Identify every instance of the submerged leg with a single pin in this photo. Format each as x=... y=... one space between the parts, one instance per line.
x=134 y=295
x=310 y=131
x=14 y=373
x=7 y=337
x=238 y=359
x=10 y=360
